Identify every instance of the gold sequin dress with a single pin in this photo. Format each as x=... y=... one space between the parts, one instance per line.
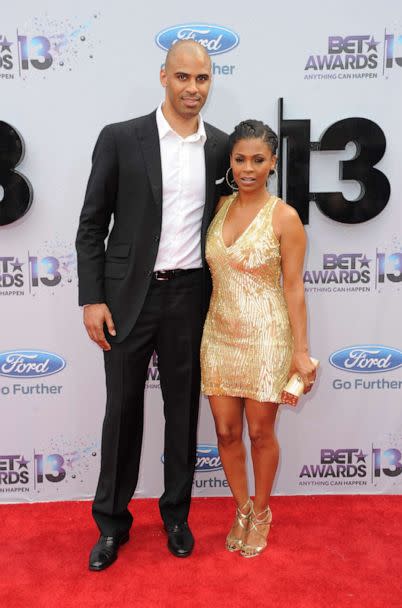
x=247 y=343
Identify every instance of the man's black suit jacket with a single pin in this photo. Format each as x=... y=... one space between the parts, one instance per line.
x=125 y=187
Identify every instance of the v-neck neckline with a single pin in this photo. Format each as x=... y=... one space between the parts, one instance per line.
x=247 y=227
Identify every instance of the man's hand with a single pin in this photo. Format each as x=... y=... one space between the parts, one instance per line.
x=95 y=315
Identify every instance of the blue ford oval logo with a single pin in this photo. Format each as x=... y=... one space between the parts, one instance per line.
x=215 y=38
x=208 y=459
x=29 y=363
x=367 y=359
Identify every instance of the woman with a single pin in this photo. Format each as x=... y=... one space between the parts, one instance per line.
x=255 y=332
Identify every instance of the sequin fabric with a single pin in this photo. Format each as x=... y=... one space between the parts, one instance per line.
x=247 y=343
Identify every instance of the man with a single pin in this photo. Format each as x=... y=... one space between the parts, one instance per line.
x=159 y=178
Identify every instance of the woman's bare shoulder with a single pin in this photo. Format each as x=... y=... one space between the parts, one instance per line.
x=285 y=219
x=285 y=210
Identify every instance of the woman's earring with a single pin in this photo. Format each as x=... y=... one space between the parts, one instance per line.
x=232 y=184
x=273 y=173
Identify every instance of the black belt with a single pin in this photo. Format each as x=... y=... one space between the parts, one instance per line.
x=167 y=275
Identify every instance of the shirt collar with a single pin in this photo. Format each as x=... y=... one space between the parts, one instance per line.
x=164 y=128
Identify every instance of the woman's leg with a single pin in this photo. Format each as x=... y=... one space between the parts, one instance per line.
x=228 y=415
x=265 y=455
x=264 y=448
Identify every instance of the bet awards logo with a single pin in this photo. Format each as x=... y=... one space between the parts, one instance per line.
x=14 y=473
x=33 y=273
x=355 y=56
x=352 y=467
x=44 y=45
x=336 y=467
x=45 y=470
x=355 y=272
x=348 y=270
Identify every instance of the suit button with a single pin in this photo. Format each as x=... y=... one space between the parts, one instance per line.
x=149 y=273
x=156 y=238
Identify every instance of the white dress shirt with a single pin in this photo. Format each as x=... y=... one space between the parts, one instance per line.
x=183 y=196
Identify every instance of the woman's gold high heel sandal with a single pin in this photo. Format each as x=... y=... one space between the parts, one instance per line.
x=235 y=543
x=259 y=524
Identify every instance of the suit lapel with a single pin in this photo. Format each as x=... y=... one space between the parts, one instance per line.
x=149 y=140
x=210 y=167
x=210 y=175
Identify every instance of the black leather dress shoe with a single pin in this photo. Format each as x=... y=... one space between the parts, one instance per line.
x=105 y=551
x=180 y=539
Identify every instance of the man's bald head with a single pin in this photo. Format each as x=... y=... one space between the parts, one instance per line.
x=190 y=48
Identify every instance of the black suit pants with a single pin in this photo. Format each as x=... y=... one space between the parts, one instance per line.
x=171 y=324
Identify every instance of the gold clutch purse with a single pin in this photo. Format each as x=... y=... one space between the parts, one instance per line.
x=295 y=387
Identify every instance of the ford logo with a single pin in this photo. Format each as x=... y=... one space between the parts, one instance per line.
x=29 y=363
x=208 y=459
x=367 y=359
x=214 y=38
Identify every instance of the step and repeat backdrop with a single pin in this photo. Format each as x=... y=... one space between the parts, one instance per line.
x=331 y=88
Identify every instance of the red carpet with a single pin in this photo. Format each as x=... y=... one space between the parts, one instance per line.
x=324 y=551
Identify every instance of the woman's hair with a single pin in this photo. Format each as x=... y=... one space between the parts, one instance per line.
x=253 y=129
